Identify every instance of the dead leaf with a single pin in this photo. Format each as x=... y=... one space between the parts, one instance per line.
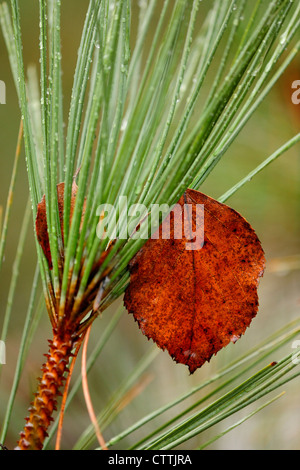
x=41 y=225
x=194 y=302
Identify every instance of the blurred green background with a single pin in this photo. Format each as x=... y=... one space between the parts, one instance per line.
x=270 y=202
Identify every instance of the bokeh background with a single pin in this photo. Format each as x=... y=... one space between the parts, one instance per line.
x=270 y=202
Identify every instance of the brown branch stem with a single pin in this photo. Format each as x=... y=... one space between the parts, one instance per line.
x=45 y=399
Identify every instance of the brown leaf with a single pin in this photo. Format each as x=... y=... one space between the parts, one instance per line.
x=41 y=218
x=194 y=302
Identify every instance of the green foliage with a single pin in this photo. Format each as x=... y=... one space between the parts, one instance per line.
x=150 y=114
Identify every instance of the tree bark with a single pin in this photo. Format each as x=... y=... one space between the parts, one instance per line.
x=41 y=410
